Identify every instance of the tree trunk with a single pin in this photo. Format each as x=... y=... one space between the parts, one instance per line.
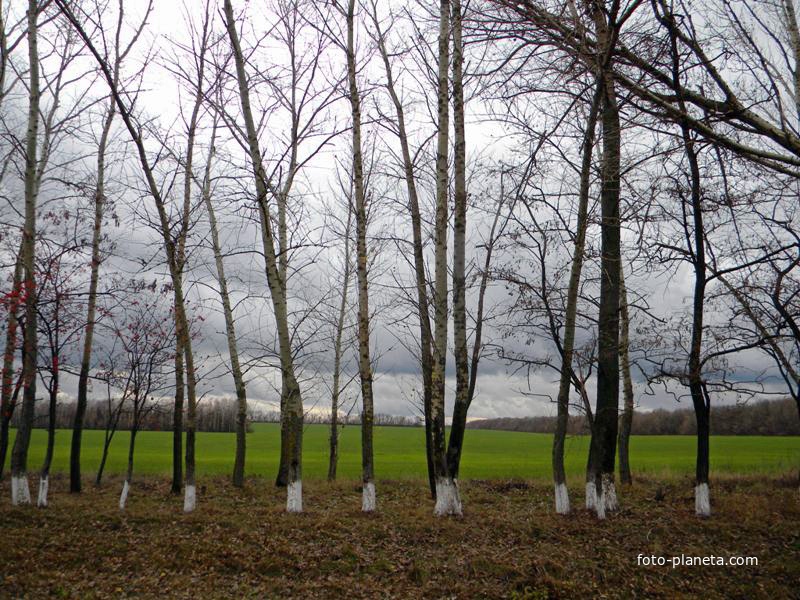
x=183 y=332
x=448 y=501
x=425 y=333
x=700 y=399
x=333 y=457
x=177 y=422
x=7 y=390
x=362 y=264
x=461 y=352
x=190 y=496
x=794 y=41
x=20 y=493
x=604 y=435
x=123 y=498
x=568 y=345
x=230 y=330
x=626 y=420
x=111 y=429
x=51 y=430
x=86 y=357
x=283 y=269
x=291 y=442
x=104 y=457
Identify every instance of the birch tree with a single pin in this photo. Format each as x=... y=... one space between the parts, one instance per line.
x=361 y=210
x=421 y=278
x=230 y=324
x=20 y=493
x=336 y=386
x=291 y=441
x=460 y=350
x=448 y=500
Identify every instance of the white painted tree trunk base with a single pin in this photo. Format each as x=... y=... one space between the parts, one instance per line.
x=189 y=499
x=448 y=500
x=294 y=497
x=702 y=500
x=610 y=500
x=20 y=493
x=123 y=497
x=562 y=499
x=591 y=495
x=368 y=501
x=43 y=486
x=600 y=504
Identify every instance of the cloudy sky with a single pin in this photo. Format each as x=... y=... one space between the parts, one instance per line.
x=317 y=207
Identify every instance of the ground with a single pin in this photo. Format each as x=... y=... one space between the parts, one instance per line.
x=508 y=544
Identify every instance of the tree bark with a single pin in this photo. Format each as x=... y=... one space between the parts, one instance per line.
x=177 y=421
x=700 y=399
x=604 y=434
x=362 y=264
x=697 y=247
x=568 y=346
x=333 y=456
x=91 y=310
x=184 y=332
x=283 y=268
x=20 y=493
x=230 y=328
x=461 y=352
x=448 y=501
x=51 y=434
x=123 y=499
x=626 y=420
x=7 y=390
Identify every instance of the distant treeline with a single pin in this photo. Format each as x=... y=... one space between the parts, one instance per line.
x=218 y=415
x=344 y=419
x=777 y=417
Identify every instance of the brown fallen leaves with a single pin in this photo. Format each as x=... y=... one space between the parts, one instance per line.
x=240 y=544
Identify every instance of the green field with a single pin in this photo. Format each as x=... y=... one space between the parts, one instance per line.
x=399 y=453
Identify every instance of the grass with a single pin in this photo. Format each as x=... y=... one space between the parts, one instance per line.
x=509 y=544
x=399 y=453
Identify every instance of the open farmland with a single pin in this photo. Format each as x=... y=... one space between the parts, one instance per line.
x=400 y=453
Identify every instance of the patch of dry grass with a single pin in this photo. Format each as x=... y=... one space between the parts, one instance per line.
x=509 y=543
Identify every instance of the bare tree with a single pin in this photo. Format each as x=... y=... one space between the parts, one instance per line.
x=59 y=321
x=100 y=203
x=361 y=209
x=337 y=387
x=20 y=493
x=448 y=500
x=604 y=431
x=291 y=440
x=144 y=335
x=170 y=248
x=230 y=325
x=425 y=331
